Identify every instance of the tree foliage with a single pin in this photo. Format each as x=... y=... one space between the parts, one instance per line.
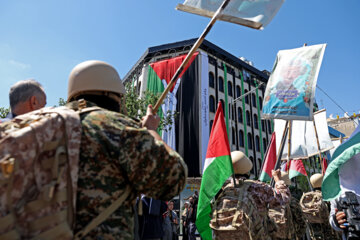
x=4 y=111
x=136 y=106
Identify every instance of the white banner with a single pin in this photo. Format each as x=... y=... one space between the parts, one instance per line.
x=303 y=140
x=251 y=13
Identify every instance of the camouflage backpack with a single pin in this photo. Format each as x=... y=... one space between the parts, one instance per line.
x=314 y=208
x=39 y=155
x=282 y=218
x=235 y=215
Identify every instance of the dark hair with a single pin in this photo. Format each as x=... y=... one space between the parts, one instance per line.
x=23 y=90
x=101 y=101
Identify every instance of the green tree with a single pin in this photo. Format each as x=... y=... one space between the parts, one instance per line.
x=4 y=111
x=62 y=102
x=136 y=106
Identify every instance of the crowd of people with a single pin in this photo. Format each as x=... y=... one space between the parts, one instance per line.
x=126 y=159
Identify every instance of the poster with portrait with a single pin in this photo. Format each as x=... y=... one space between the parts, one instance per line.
x=290 y=91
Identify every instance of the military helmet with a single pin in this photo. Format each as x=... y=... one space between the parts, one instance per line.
x=316 y=180
x=285 y=178
x=241 y=163
x=94 y=76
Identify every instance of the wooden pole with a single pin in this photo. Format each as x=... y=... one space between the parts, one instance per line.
x=281 y=149
x=190 y=54
x=289 y=146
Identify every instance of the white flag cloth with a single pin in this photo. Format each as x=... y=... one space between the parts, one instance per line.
x=251 y=13
x=303 y=139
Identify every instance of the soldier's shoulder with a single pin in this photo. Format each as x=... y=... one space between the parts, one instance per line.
x=110 y=117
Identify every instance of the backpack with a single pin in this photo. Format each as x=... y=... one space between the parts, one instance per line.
x=298 y=218
x=39 y=155
x=283 y=220
x=235 y=215
x=314 y=208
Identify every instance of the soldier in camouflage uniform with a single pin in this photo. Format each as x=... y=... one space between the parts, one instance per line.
x=258 y=194
x=117 y=153
x=321 y=230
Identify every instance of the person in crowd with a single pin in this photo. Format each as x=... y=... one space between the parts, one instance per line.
x=183 y=219
x=25 y=96
x=171 y=222
x=191 y=216
x=150 y=218
x=119 y=157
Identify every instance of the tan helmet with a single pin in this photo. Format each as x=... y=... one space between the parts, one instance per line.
x=241 y=163
x=285 y=178
x=94 y=76
x=316 y=180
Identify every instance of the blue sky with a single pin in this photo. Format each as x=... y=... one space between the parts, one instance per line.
x=45 y=39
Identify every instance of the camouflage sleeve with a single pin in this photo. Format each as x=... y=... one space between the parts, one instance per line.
x=278 y=196
x=151 y=169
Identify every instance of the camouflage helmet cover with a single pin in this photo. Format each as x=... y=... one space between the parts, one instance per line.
x=94 y=76
x=241 y=163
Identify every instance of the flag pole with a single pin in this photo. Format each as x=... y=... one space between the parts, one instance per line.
x=319 y=148
x=289 y=146
x=190 y=54
x=281 y=149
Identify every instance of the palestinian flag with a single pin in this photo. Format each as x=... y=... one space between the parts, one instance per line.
x=217 y=168
x=269 y=161
x=341 y=174
x=296 y=168
x=159 y=76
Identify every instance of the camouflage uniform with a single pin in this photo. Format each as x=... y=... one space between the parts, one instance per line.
x=262 y=197
x=116 y=152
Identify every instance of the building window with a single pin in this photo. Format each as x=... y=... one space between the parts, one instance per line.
x=260 y=102
x=233 y=113
x=223 y=106
x=211 y=123
x=256 y=124
x=211 y=80
x=263 y=125
x=264 y=145
x=233 y=136
x=248 y=118
x=238 y=91
x=253 y=96
x=240 y=116
x=212 y=104
x=269 y=126
x=246 y=97
x=241 y=138
x=230 y=91
x=259 y=163
x=257 y=143
x=253 y=169
x=221 y=84
x=250 y=145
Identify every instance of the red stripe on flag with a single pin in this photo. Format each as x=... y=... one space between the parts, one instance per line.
x=218 y=142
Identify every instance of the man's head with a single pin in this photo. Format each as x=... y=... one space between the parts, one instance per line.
x=26 y=96
x=241 y=164
x=186 y=204
x=293 y=70
x=98 y=82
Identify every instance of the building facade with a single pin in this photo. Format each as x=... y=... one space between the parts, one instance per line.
x=217 y=76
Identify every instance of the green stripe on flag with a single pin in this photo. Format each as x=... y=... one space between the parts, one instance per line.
x=331 y=183
x=226 y=102
x=244 y=115
x=155 y=85
x=213 y=178
x=264 y=177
